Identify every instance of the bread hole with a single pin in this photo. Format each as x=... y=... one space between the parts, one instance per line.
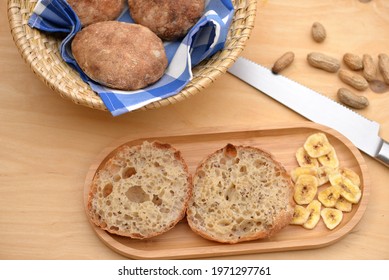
x=109 y=214
x=258 y=163
x=243 y=169
x=137 y=194
x=156 y=200
x=230 y=151
x=223 y=161
x=127 y=217
x=230 y=192
x=107 y=190
x=171 y=192
x=237 y=160
x=201 y=174
x=116 y=178
x=113 y=168
x=247 y=226
x=113 y=228
x=108 y=203
x=258 y=223
x=210 y=225
x=156 y=164
x=239 y=220
x=198 y=216
x=128 y=172
x=164 y=210
x=224 y=223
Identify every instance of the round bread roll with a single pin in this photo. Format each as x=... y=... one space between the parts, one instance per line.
x=240 y=194
x=91 y=11
x=120 y=55
x=169 y=19
x=140 y=191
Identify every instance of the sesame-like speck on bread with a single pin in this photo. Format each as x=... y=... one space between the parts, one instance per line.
x=240 y=193
x=140 y=191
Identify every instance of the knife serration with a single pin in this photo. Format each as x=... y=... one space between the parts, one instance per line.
x=362 y=132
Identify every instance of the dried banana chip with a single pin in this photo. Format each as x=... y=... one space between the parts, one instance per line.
x=330 y=160
x=317 y=145
x=305 y=160
x=305 y=189
x=331 y=217
x=314 y=209
x=329 y=196
x=300 y=215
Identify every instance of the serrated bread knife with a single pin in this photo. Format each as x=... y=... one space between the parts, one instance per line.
x=363 y=133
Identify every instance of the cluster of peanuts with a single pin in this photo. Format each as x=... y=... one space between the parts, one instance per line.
x=362 y=71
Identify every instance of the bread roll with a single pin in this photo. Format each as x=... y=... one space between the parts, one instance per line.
x=169 y=19
x=92 y=11
x=120 y=55
x=140 y=191
x=239 y=194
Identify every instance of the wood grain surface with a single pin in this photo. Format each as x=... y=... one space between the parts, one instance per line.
x=48 y=144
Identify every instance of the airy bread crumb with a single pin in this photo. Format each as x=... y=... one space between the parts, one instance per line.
x=240 y=194
x=140 y=191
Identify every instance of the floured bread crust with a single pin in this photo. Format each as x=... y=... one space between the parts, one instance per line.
x=240 y=194
x=92 y=11
x=169 y=19
x=140 y=191
x=120 y=55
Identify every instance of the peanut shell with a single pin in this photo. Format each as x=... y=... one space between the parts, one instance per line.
x=352 y=100
x=383 y=65
x=283 y=62
x=324 y=62
x=353 y=79
x=318 y=31
x=353 y=61
x=369 y=68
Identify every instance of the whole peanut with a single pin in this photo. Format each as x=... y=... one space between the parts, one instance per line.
x=353 y=79
x=283 y=62
x=324 y=62
x=352 y=100
x=383 y=65
x=369 y=68
x=353 y=61
x=318 y=32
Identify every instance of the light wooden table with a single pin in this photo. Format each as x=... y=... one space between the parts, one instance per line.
x=48 y=143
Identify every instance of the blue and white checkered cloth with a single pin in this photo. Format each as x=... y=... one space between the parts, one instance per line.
x=203 y=40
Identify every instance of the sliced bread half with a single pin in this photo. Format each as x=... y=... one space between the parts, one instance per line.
x=140 y=191
x=240 y=193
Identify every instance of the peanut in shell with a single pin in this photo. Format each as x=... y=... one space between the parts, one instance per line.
x=283 y=62
x=353 y=79
x=353 y=61
x=318 y=32
x=383 y=65
x=324 y=62
x=369 y=68
x=352 y=100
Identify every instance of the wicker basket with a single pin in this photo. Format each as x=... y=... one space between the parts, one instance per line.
x=41 y=52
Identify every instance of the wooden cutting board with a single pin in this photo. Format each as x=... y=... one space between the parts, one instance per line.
x=282 y=142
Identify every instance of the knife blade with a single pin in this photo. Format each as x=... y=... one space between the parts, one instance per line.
x=362 y=132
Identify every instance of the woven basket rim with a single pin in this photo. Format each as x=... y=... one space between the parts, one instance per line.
x=41 y=52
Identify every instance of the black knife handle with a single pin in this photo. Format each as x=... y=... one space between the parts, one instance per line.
x=383 y=153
